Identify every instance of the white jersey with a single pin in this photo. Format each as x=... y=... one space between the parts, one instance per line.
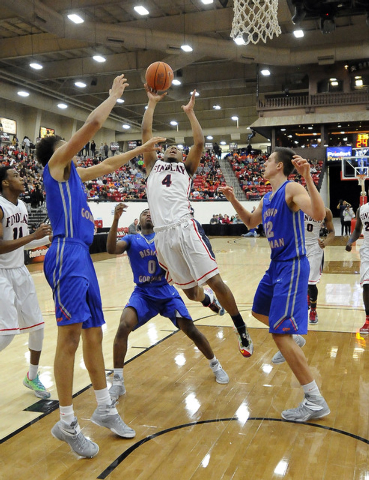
x=364 y=217
x=15 y=225
x=312 y=231
x=168 y=187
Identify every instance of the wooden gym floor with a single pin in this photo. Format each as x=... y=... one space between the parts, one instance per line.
x=188 y=426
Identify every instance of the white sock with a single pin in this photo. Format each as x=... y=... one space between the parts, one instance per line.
x=67 y=414
x=311 y=388
x=32 y=372
x=103 y=399
x=119 y=372
x=213 y=361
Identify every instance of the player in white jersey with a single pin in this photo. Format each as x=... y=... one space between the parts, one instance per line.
x=20 y=312
x=315 y=254
x=362 y=220
x=181 y=249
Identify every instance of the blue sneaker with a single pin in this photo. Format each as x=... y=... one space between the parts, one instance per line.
x=37 y=386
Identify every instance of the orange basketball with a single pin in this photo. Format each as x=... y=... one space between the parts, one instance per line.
x=159 y=76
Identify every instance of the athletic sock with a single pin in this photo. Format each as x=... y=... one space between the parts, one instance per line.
x=239 y=323
x=67 y=414
x=213 y=361
x=206 y=302
x=311 y=388
x=119 y=372
x=32 y=372
x=103 y=399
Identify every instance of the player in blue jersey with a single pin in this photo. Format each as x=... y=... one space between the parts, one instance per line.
x=151 y=296
x=280 y=300
x=71 y=275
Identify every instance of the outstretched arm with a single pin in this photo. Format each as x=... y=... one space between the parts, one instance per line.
x=113 y=163
x=65 y=153
x=194 y=156
x=251 y=220
x=112 y=246
x=146 y=127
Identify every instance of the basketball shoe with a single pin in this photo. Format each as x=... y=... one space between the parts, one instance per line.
x=245 y=344
x=117 y=389
x=313 y=317
x=72 y=435
x=365 y=328
x=37 y=386
x=220 y=375
x=313 y=406
x=104 y=418
x=279 y=358
x=215 y=306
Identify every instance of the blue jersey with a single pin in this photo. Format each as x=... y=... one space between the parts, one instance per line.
x=66 y=202
x=144 y=263
x=283 y=228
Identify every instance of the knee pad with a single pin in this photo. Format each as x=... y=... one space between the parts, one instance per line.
x=35 y=340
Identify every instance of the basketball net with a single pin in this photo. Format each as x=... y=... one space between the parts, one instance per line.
x=363 y=197
x=255 y=20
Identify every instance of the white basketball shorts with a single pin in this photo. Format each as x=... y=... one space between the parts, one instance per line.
x=315 y=257
x=364 y=265
x=184 y=255
x=20 y=311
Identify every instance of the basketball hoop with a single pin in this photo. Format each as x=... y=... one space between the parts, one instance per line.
x=255 y=20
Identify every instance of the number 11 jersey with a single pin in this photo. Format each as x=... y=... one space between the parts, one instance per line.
x=15 y=225
x=168 y=187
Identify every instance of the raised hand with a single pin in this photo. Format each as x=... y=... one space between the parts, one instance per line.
x=153 y=95
x=118 y=87
x=151 y=146
x=191 y=104
x=302 y=166
x=119 y=209
x=227 y=192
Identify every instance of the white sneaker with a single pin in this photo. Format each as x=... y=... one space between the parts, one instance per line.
x=117 y=389
x=220 y=375
x=102 y=418
x=279 y=358
x=72 y=435
x=313 y=406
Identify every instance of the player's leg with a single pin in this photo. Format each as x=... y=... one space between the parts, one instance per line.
x=188 y=328
x=32 y=380
x=128 y=321
x=105 y=415
x=5 y=340
x=313 y=295
x=205 y=296
x=314 y=405
x=365 y=327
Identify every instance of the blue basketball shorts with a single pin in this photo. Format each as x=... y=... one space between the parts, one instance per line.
x=71 y=275
x=151 y=301
x=282 y=296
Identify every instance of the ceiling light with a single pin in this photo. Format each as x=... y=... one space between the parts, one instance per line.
x=283 y=129
x=176 y=82
x=310 y=128
x=207 y=2
x=22 y=93
x=357 y=77
x=99 y=58
x=125 y=126
x=217 y=107
x=342 y=133
x=239 y=41
x=290 y=136
x=265 y=72
x=333 y=79
x=186 y=48
x=36 y=66
x=209 y=137
x=80 y=84
x=234 y=118
x=298 y=33
x=196 y=94
x=63 y=106
x=173 y=122
x=180 y=146
x=120 y=100
x=223 y=142
x=359 y=83
x=75 y=18
x=141 y=10
x=334 y=84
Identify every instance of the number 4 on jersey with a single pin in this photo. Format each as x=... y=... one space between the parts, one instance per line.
x=167 y=180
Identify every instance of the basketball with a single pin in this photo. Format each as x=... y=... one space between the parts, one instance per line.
x=159 y=76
